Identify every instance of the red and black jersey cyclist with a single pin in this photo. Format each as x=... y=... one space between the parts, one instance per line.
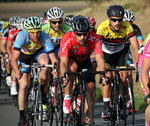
x=92 y=24
x=10 y=42
x=75 y=50
x=13 y=24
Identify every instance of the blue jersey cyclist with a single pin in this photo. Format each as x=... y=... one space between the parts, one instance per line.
x=30 y=44
x=56 y=28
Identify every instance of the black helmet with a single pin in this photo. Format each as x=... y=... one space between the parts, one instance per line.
x=115 y=11
x=80 y=24
x=44 y=15
x=68 y=19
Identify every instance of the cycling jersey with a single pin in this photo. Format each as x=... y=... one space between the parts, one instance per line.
x=69 y=47
x=113 y=42
x=146 y=52
x=5 y=33
x=12 y=35
x=138 y=33
x=56 y=36
x=26 y=46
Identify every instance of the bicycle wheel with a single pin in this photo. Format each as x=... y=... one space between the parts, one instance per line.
x=130 y=105
x=86 y=112
x=29 y=108
x=117 y=107
x=37 y=108
x=74 y=117
x=121 y=110
x=56 y=106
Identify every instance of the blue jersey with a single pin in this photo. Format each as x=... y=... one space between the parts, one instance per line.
x=29 y=47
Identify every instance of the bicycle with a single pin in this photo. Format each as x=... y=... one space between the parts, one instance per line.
x=118 y=101
x=3 y=75
x=55 y=101
x=33 y=106
x=79 y=112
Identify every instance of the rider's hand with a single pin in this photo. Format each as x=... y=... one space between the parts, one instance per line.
x=148 y=101
x=54 y=73
x=136 y=66
x=19 y=75
x=65 y=81
x=104 y=81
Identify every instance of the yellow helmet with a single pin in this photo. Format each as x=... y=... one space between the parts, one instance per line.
x=6 y=24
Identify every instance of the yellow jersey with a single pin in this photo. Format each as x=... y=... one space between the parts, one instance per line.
x=113 y=41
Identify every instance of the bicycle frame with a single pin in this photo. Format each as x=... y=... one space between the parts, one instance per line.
x=116 y=90
x=84 y=94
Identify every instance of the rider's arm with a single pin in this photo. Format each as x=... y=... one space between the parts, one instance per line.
x=134 y=43
x=53 y=58
x=140 y=41
x=3 y=48
x=14 y=63
x=8 y=48
x=145 y=73
x=100 y=62
x=63 y=65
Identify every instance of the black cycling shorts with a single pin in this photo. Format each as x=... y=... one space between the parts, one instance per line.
x=116 y=59
x=86 y=64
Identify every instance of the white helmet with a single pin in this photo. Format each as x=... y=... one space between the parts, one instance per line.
x=55 y=13
x=20 y=24
x=13 y=20
x=128 y=16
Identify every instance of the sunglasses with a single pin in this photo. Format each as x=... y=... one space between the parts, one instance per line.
x=34 y=32
x=80 y=34
x=55 y=22
x=114 y=20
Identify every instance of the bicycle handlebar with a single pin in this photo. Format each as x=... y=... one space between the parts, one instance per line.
x=84 y=71
x=35 y=65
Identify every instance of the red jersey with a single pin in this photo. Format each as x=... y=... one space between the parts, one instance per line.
x=69 y=47
x=12 y=35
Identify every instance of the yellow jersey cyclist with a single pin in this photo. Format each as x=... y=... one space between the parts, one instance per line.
x=56 y=28
x=114 y=32
x=31 y=44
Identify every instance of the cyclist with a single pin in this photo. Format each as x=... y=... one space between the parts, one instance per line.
x=93 y=29
x=56 y=28
x=75 y=50
x=145 y=76
x=92 y=24
x=68 y=19
x=12 y=25
x=1 y=30
x=10 y=42
x=44 y=18
x=114 y=32
x=31 y=44
x=130 y=17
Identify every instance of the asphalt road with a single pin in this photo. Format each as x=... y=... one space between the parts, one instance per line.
x=9 y=113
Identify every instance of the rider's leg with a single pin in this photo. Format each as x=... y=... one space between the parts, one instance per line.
x=147 y=116
x=123 y=76
x=90 y=88
x=67 y=98
x=22 y=93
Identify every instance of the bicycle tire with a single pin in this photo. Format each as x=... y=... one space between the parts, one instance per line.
x=28 y=108
x=56 y=105
x=132 y=107
x=74 y=118
x=37 y=108
x=115 y=119
x=83 y=120
x=122 y=120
